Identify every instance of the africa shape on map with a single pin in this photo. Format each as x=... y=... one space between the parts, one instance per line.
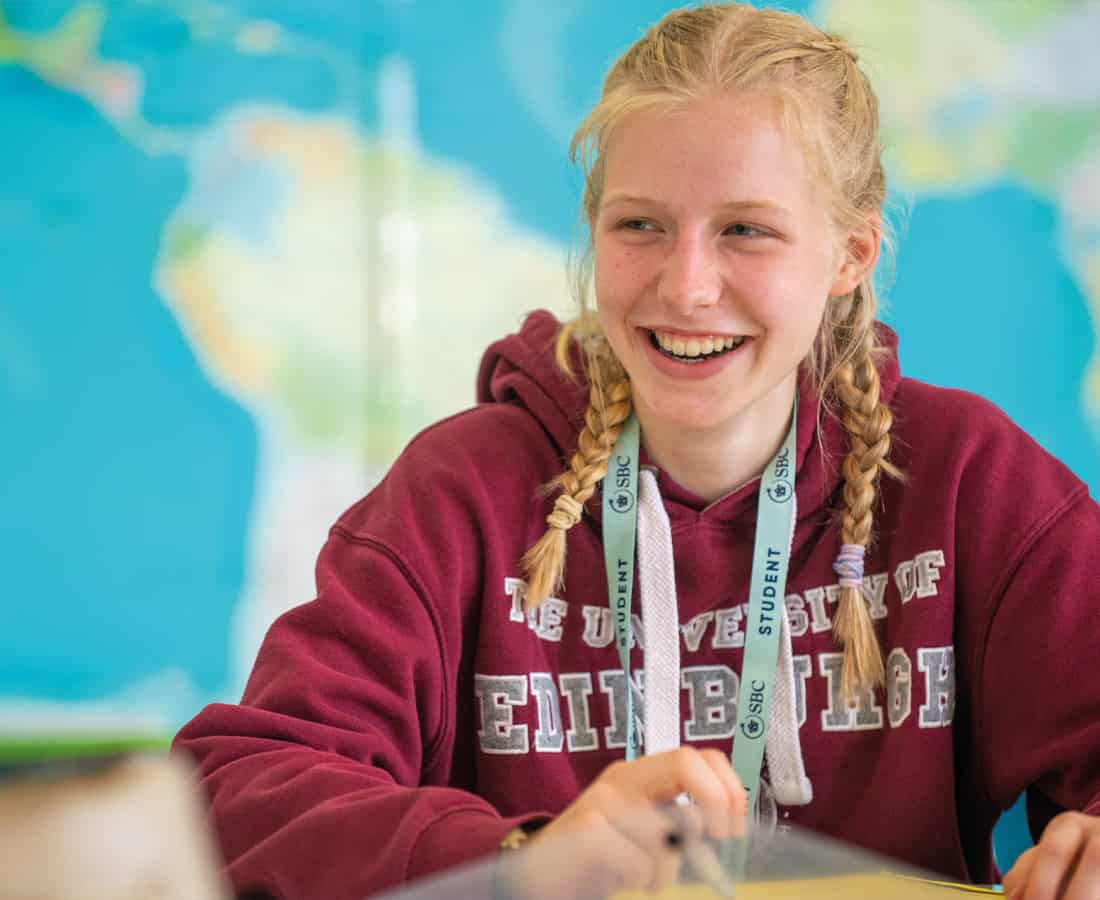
x=247 y=258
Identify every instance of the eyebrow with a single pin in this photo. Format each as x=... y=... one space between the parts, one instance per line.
x=728 y=207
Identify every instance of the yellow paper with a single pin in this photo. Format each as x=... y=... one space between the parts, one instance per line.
x=883 y=886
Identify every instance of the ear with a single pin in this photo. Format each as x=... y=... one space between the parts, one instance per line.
x=861 y=251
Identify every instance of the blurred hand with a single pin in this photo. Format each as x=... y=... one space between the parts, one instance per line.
x=1064 y=864
x=615 y=836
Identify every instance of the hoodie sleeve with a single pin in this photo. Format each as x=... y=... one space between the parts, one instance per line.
x=1038 y=694
x=349 y=765
x=331 y=778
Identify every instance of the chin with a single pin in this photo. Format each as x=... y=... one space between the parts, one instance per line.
x=690 y=417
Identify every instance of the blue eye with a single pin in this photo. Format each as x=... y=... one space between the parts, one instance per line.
x=635 y=225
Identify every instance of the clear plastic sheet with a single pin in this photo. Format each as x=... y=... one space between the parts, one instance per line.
x=787 y=863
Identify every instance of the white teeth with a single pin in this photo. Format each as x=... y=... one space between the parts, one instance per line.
x=691 y=348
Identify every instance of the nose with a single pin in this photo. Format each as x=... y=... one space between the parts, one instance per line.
x=690 y=278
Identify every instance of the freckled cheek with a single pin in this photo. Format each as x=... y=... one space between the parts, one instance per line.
x=789 y=316
x=786 y=298
x=618 y=285
x=608 y=297
x=610 y=309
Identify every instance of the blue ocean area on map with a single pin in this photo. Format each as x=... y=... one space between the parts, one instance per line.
x=127 y=552
x=959 y=322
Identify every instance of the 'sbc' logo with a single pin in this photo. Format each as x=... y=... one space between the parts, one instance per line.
x=622 y=501
x=781 y=491
x=752 y=727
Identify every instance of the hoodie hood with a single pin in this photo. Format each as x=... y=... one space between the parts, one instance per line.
x=520 y=369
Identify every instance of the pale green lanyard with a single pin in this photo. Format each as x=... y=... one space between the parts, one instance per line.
x=770 y=557
x=620 y=521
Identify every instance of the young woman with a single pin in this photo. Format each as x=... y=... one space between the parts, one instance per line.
x=882 y=591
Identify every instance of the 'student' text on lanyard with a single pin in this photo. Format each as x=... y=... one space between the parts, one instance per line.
x=775 y=517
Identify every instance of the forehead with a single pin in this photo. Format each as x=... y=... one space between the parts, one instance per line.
x=721 y=148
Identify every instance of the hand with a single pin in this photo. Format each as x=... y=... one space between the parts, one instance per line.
x=613 y=836
x=1064 y=864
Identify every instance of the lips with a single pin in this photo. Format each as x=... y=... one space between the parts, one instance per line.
x=690 y=368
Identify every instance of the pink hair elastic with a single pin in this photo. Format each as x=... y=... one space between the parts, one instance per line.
x=849 y=565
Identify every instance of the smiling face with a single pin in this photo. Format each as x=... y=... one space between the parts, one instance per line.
x=714 y=258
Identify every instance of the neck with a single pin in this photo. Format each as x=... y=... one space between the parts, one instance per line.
x=713 y=461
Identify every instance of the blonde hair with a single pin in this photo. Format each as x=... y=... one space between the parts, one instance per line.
x=828 y=104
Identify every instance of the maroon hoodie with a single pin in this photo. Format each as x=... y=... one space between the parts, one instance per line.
x=409 y=716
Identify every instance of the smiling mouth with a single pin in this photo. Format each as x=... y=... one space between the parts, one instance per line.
x=695 y=349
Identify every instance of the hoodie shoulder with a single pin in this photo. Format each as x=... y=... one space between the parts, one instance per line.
x=495 y=456
x=481 y=461
x=927 y=413
x=947 y=436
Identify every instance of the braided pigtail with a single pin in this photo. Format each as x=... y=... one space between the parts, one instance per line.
x=868 y=422
x=608 y=408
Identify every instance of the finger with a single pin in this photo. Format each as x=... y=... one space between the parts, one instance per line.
x=655 y=830
x=662 y=777
x=668 y=861
x=649 y=829
x=686 y=817
x=1084 y=883
x=600 y=859
x=699 y=856
x=723 y=768
x=668 y=834
x=737 y=796
x=584 y=852
x=1016 y=878
x=1055 y=856
x=707 y=776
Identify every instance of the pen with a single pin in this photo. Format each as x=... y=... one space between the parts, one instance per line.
x=703 y=862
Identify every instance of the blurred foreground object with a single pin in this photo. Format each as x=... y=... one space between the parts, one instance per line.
x=119 y=827
x=782 y=864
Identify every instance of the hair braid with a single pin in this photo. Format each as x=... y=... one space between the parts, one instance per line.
x=608 y=408
x=868 y=422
